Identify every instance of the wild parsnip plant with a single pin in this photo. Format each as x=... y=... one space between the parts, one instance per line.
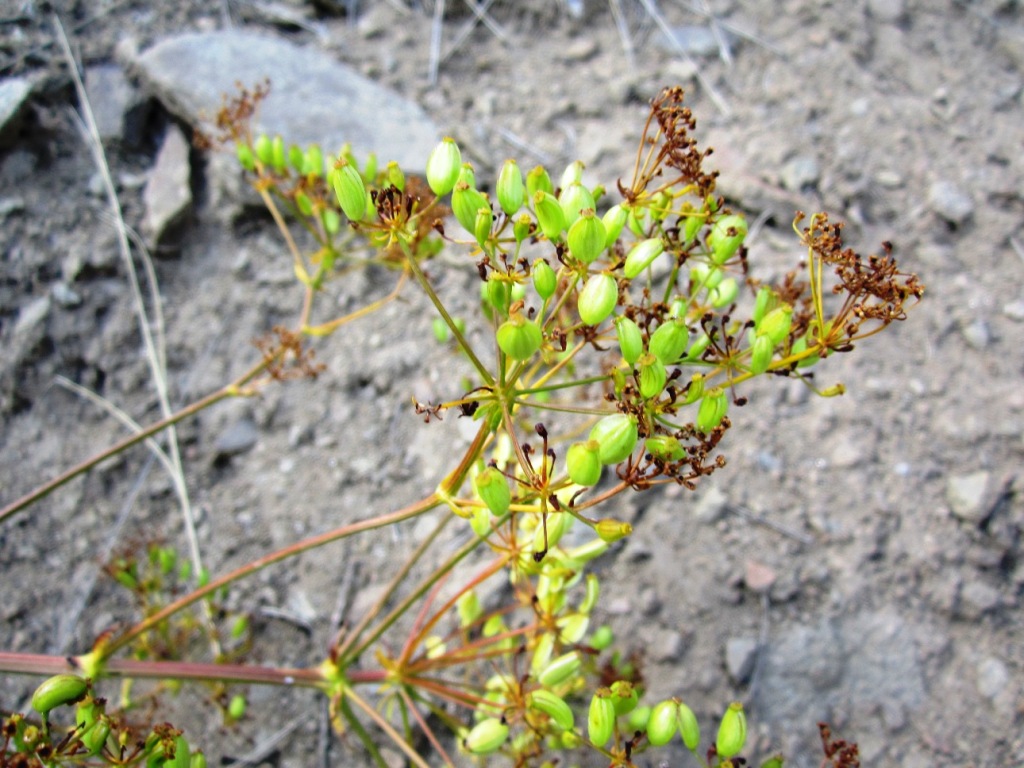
x=622 y=333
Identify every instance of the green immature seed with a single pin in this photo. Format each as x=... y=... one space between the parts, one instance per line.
x=583 y=463
x=466 y=203
x=395 y=175
x=545 y=279
x=724 y=294
x=712 y=410
x=350 y=190
x=610 y=530
x=443 y=167
x=614 y=220
x=519 y=338
x=597 y=299
x=469 y=609
x=511 y=189
x=631 y=339
x=277 y=154
x=553 y=706
x=601 y=718
x=662 y=725
x=573 y=173
x=245 y=155
x=776 y=324
x=296 y=157
x=602 y=638
x=560 y=669
x=651 y=376
x=486 y=737
x=689 y=729
x=198 y=760
x=95 y=737
x=732 y=731
x=482 y=225
x=492 y=488
x=313 y=162
x=694 y=221
x=669 y=341
x=549 y=215
x=237 y=707
x=642 y=256
x=624 y=697
x=586 y=237
x=575 y=199
x=665 y=447
x=538 y=180
x=617 y=436
x=764 y=302
x=775 y=761
x=761 y=353
x=264 y=149
x=726 y=237
x=58 y=691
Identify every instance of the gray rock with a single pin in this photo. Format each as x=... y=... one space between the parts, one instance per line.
x=1014 y=310
x=888 y=11
x=950 y=202
x=238 y=438
x=168 y=194
x=740 y=657
x=14 y=94
x=32 y=316
x=313 y=98
x=992 y=677
x=711 y=506
x=119 y=110
x=64 y=296
x=967 y=496
x=978 y=598
x=800 y=173
x=694 y=40
x=977 y=334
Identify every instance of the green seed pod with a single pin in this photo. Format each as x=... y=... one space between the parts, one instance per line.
x=764 y=302
x=486 y=737
x=482 y=225
x=661 y=206
x=469 y=608
x=182 y=754
x=466 y=203
x=761 y=354
x=726 y=237
x=332 y=221
x=519 y=338
x=776 y=324
x=583 y=463
x=689 y=729
x=511 y=190
x=94 y=738
x=443 y=167
x=732 y=732
x=617 y=436
x=574 y=199
x=601 y=718
x=624 y=697
x=560 y=669
x=237 y=706
x=497 y=294
x=610 y=530
x=198 y=760
x=538 y=180
x=705 y=275
x=724 y=294
x=651 y=376
x=549 y=215
x=602 y=638
x=492 y=488
x=395 y=176
x=303 y=203
x=573 y=174
x=554 y=707
x=263 y=149
x=593 y=591
x=712 y=410
x=598 y=298
x=698 y=347
x=557 y=524
x=665 y=447
x=775 y=761
x=542 y=653
x=586 y=237
x=370 y=168
x=522 y=228
x=662 y=724
x=642 y=255
x=614 y=220
x=693 y=224
x=584 y=553
x=631 y=339
x=277 y=154
x=245 y=156
x=635 y=221
x=313 y=163
x=545 y=280
x=296 y=157
x=58 y=691
x=669 y=341
x=350 y=190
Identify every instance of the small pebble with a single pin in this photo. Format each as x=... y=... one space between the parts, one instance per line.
x=800 y=173
x=948 y=201
x=711 y=506
x=1015 y=310
x=977 y=334
x=992 y=677
x=966 y=495
x=758 y=576
x=740 y=656
x=236 y=439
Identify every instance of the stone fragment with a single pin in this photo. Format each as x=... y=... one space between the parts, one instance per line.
x=238 y=438
x=948 y=201
x=977 y=333
x=888 y=11
x=967 y=496
x=978 y=598
x=168 y=194
x=313 y=98
x=14 y=93
x=800 y=173
x=694 y=40
x=740 y=657
x=758 y=576
x=1014 y=310
x=993 y=677
x=711 y=506
x=119 y=110
x=32 y=316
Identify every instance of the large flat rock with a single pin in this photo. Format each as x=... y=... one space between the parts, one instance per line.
x=313 y=98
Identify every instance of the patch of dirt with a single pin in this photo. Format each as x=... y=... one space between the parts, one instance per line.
x=887 y=611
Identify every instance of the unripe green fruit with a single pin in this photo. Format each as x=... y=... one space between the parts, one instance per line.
x=574 y=199
x=519 y=338
x=631 y=340
x=263 y=149
x=726 y=237
x=651 y=376
x=538 y=180
x=245 y=155
x=552 y=706
x=573 y=174
x=764 y=302
x=237 y=706
x=583 y=463
x=610 y=530
x=712 y=410
x=522 y=227
x=95 y=737
x=498 y=295
x=775 y=761
x=602 y=638
x=313 y=162
x=698 y=347
x=350 y=190
x=469 y=608
x=593 y=589
x=511 y=190
x=614 y=220
x=776 y=324
x=466 y=203
x=296 y=157
x=669 y=341
x=664 y=447
x=695 y=390
x=182 y=754
x=624 y=697
x=662 y=724
x=706 y=275
x=725 y=293
x=586 y=237
x=277 y=154
x=689 y=729
x=761 y=354
x=395 y=176
x=58 y=691
x=642 y=256
x=492 y=488
x=692 y=226
x=549 y=215
x=486 y=737
x=732 y=732
x=601 y=718
x=616 y=435
x=545 y=279
x=598 y=298
x=198 y=760
x=443 y=167
x=482 y=225
x=560 y=669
